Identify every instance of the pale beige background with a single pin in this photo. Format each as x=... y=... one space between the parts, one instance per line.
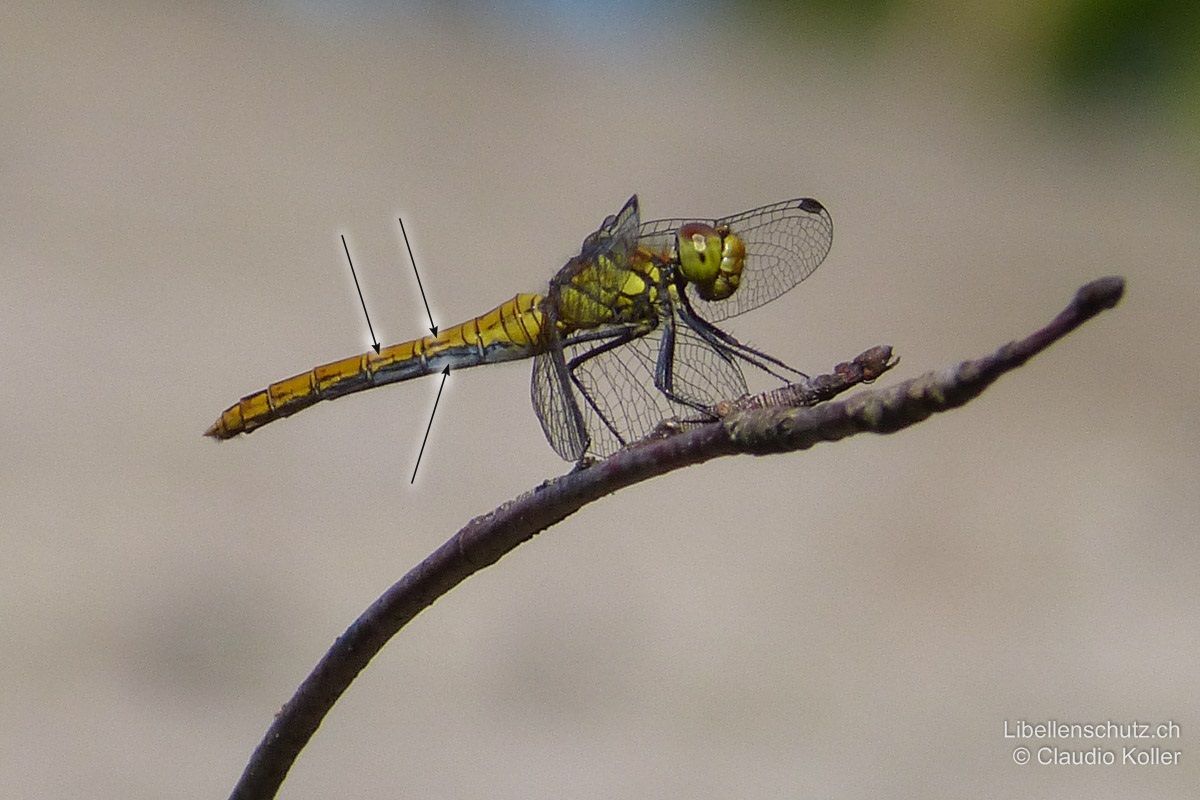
x=854 y=622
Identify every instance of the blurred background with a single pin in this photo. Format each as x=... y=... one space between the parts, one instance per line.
x=857 y=621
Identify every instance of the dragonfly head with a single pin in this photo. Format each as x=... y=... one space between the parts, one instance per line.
x=712 y=258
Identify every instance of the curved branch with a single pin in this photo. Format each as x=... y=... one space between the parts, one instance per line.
x=794 y=418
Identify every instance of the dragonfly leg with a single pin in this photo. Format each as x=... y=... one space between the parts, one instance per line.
x=611 y=338
x=664 y=370
x=724 y=343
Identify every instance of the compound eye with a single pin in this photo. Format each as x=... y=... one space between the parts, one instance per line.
x=699 y=252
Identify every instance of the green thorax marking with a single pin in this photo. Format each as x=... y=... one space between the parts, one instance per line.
x=607 y=290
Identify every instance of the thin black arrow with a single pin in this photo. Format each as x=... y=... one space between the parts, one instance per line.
x=445 y=374
x=432 y=328
x=374 y=341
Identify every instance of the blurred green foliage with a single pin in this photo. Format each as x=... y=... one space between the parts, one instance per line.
x=1131 y=56
x=1140 y=49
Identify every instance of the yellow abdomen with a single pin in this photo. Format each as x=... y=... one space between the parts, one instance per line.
x=514 y=329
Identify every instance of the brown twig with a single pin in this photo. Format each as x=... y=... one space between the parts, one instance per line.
x=767 y=425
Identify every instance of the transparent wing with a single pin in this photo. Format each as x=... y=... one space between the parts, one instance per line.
x=785 y=243
x=618 y=233
x=551 y=403
x=616 y=392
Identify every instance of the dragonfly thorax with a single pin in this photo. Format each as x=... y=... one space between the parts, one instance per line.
x=711 y=258
x=604 y=290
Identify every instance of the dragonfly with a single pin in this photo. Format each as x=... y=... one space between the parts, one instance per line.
x=624 y=337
